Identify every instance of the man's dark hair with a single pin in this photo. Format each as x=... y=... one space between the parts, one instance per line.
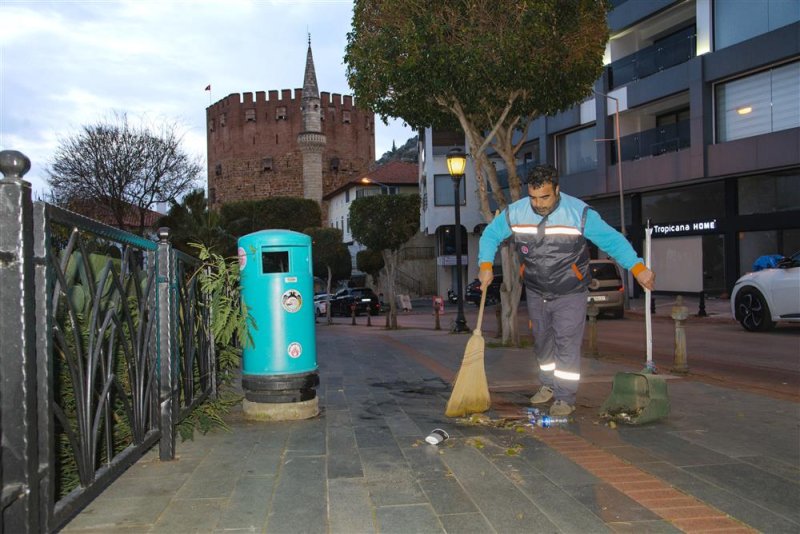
x=542 y=174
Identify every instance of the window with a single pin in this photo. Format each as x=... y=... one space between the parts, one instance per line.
x=447 y=240
x=211 y=125
x=443 y=194
x=266 y=164
x=334 y=164
x=769 y=194
x=275 y=262
x=222 y=120
x=280 y=113
x=346 y=117
x=704 y=201
x=218 y=169
x=347 y=196
x=737 y=21
x=250 y=115
x=577 y=151
x=760 y=103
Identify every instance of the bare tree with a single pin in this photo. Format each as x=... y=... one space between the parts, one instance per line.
x=122 y=167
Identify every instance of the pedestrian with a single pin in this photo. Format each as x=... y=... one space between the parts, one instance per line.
x=550 y=231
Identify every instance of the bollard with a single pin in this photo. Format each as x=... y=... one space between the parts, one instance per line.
x=593 y=312
x=353 y=313
x=437 y=325
x=369 y=314
x=679 y=315
x=701 y=312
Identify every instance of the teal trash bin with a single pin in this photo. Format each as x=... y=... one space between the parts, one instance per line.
x=277 y=287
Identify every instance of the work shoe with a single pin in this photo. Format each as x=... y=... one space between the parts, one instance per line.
x=561 y=408
x=543 y=395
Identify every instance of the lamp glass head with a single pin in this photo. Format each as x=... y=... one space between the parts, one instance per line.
x=456 y=162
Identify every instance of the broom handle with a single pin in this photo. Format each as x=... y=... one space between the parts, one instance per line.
x=480 y=312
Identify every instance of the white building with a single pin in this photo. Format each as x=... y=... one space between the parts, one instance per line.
x=393 y=178
x=438 y=208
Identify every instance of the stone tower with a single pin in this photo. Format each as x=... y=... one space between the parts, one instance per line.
x=311 y=141
x=299 y=142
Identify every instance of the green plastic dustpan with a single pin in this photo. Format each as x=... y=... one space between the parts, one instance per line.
x=638 y=398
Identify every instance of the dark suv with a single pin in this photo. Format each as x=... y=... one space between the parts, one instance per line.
x=473 y=291
x=363 y=298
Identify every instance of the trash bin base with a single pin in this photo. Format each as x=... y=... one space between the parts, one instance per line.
x=288 y=411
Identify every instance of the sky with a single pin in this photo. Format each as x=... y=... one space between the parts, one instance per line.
x=69 y=63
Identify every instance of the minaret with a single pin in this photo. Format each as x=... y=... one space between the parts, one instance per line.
x=311 y=140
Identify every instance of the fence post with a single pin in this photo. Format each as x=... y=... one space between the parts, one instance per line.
x=166 y=340
x=19 y=504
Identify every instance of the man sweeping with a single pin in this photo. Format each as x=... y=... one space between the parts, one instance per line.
x=549 y=231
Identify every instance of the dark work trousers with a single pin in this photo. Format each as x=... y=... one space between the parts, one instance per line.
x=557 y=336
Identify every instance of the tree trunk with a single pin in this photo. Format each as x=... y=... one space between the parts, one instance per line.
x=510 y=293
x=390 y=265
x=328 y=299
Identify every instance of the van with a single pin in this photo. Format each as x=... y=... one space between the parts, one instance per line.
x=605 y=288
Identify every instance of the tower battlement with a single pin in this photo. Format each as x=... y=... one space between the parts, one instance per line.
x=264 y=143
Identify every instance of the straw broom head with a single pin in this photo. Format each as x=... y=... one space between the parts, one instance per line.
x=471 y=390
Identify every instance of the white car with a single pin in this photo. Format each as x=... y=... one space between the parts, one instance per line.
x=321 y=304
x=762 y=298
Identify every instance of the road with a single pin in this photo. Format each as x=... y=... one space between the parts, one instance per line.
x=719 y=350
x=716 y=350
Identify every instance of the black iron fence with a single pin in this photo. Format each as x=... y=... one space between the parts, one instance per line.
x=105 y=345
x=654 y=142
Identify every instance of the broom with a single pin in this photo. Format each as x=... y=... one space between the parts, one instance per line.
x=470 y=390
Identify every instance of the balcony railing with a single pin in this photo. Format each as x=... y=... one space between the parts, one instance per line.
x=652 y=59
x=669 y=138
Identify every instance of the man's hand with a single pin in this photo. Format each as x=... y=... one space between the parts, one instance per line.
x=485 y=276
x=646 y=279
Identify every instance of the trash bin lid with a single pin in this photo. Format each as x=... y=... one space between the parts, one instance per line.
x=275 y=238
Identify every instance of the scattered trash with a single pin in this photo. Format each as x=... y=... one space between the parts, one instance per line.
x=437 y=436
x=536 y=418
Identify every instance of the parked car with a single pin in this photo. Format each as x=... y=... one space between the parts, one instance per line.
x=363 y=298
x=605 y=288
x=473 y=292
x=763 y=298
x=321 y=304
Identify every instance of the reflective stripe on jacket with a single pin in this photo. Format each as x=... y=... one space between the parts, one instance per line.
x=553 y=249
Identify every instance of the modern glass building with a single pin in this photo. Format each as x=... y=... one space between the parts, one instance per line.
x=707 y=94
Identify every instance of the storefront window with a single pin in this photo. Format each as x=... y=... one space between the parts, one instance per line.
x=761 y=103
x=738 y=20
x=705 y=201
x=577 y=151
x=769 y=194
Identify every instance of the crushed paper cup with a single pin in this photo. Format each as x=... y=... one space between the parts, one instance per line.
x=437 y=436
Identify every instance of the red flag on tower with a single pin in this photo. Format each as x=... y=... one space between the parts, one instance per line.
x=208 y=87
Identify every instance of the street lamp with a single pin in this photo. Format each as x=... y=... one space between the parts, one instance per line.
x=367 y=181
x=619 y=181
x=456 y=164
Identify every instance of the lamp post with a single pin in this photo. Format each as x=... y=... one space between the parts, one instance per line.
x=619 y=184
x=456 y=163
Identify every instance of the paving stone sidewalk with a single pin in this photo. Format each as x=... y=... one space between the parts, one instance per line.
x=725 y=460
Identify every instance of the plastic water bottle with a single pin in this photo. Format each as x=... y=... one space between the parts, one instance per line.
x=546 y=421
x=536 y=418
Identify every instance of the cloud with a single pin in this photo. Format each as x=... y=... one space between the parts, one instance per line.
x=66 y=64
